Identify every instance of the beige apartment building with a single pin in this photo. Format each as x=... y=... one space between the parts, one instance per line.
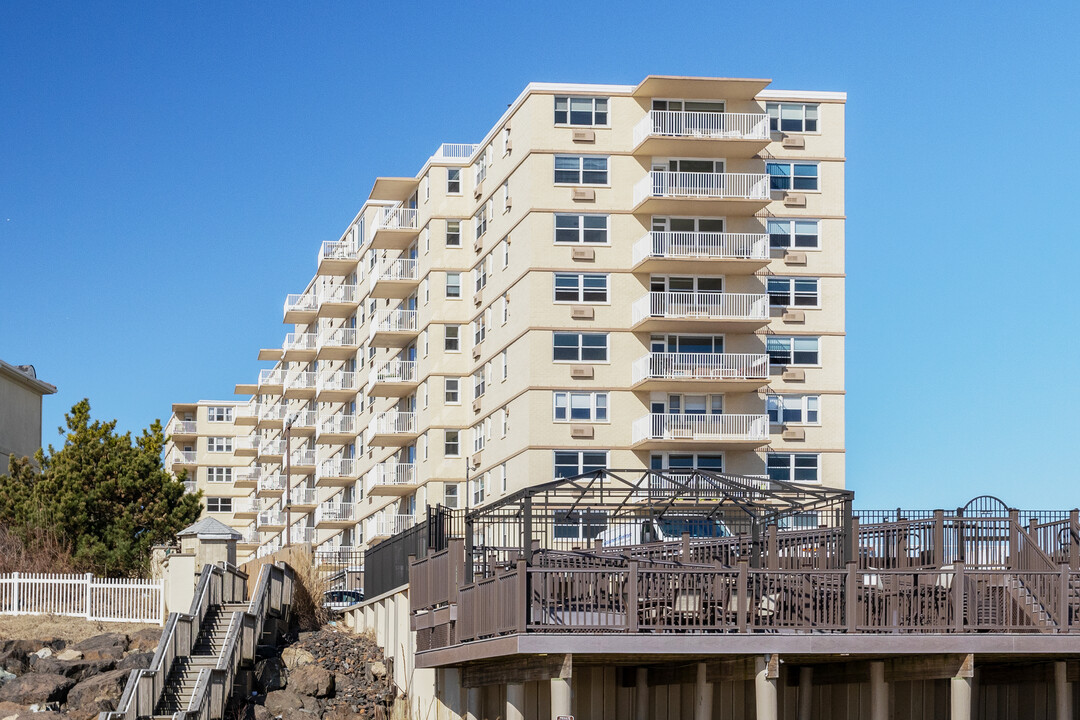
x=20 y=411
x=617 y=276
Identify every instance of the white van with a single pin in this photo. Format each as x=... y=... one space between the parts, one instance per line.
x=641 y=530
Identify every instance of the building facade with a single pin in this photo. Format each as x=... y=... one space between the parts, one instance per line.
x=645 y=276
x=20 y=411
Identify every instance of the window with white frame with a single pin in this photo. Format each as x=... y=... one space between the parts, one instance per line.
x=453 y=233
x=480 y=222
x=790 y=233
x=425 y=290
x=794 y=467
x=479 y=330
x=453 y=181
x=450 y=495
x=479 y=436
x=574 y=406
x=505 y=140
x=506 y=196
x=219 y=474
x=581 y=169
x=452 y=443
x=480 y=171
x=792 y=117
x=219 y=504
x=219 y=414
x=793 y=350
x=452 y=391
x=452 y=338
x=581 y=111
x=219 y=444
x=425 y=188
x=792 y=175
x=569 y=463
x=506 y=252
x=479 y=383
x=478 y=488
x=505 y=421
x=581 y=287
x=794 y=409
x=793 y=292
x=505 y=357
x=453 y=285
x=424 y=341
x=424 y=446
x=502 y=477
x=580 y=347
x=427 y=239
x=571 y=229
x=480 y=273
x=505 y=307
x=674 y=462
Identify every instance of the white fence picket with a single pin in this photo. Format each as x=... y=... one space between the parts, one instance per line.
x=104 y=599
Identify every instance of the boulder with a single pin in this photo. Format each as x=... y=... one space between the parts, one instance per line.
x=135 y=661
x=311 y=704
x=77 y=670
x=13 y=654
x=377 y=669
x=279 y=701
x=37 y=688
x=97 y=694
x=103 y=641
x=312 y=680
x=261 y=713
x=44 y=652
x=11 y=710
x=69 y=654
x=145 y=640
x=5 y=676
x=270 y=674
x=294 y=657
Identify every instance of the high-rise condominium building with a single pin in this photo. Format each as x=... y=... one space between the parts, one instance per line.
x=616 y=275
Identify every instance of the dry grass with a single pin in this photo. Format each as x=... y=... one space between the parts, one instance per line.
x=308 y=594
x=70 y=629
x=33 y=550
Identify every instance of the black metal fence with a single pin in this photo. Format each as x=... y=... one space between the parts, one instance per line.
x=386 y=565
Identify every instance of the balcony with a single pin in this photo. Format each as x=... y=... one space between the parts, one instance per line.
x=333 y=514
x=299 y=346
x=273 y=519
x=271 y=382
x=272 y=450
x=337 y=429
x=680 y=430
x=246 y=414
x=336 y=472
x=700 y=311
x=701 y=134
x=269 y=547
x=273 y=415
x=394 y=228
x=394 y=278
x=246 y=445
x=391 y=478
x=182 y=458
x=337 y=385
x=191 y=487
x=301 y=308
x=304 y=497
x=338 y=343
x=397 y=378
x=271 y=485
x=662 y=192
x=300 y=384
x=687 y=251
x=384 y=526
x=394 y=328
x=671 y=371
x=299 y=534
x=392 y=429
x=247 y=478
x=245 y=508
x=302 y=462
x=338 y=301
x=248 y=535
x=304 y=423
x=337 y=257
x=182 y=429
x=454 y=151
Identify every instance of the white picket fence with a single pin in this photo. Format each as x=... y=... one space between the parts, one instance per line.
x=105 y=599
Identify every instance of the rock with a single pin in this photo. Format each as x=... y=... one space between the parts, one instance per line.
x=294 y=657
x=145 y=640
x=13 y=654
x=377 y=669
x=113 y=653
x=69 y=654
x=105 y=640
x=278 y=702
x=312 y=680
x=341 y=712
x=77 y=670
x=270 y=674
x=261 y=713
x=135 y=661
x=99 y=693
x=37 y=688
x=44 y=652
x=10 y=709
x=5 y=676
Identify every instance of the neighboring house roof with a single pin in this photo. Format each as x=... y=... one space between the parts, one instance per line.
x=210 y=529
x=26 y=375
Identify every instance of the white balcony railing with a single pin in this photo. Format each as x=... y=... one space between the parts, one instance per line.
x=303 y=458
x=304 y=380
x=338 y=425
x=183 y=457
x=272 y=483
x=248 y=475
x=337 y=468
x=400 y=269
x=246 y=442
x=674 y=426
x=249 y=409
x=245 y=505
x=338 y=338
x=394 y=423
x=395 y=218
x=277 y=411
x=337 y=250
x=702 y=246
x=396 y=320
x=303 y=496
x=702 y=306
x=268 y=548
x=182 y=427
x=396 y=371
x=455 y=151
x=301 y=302
x=386 y=525
x=304 y=418
x=249 y=535
x=701 y=366
x=299 y=341
x=271 y=517
x=190 y=486
x=301 y=534
x=339 y=380
x=272 y=447
x=718 y=186
x=706 y=125
x=391 y=473
x=331 y=511
x=275 y=376
x=341 y=294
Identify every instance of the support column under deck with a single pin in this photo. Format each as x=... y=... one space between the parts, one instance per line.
x=765 y=698
x=560 y=697
x=515 y=701
x=806 y=692
x=703 y=695
x=1062 y=691
x=879 y=691
x=641 y=695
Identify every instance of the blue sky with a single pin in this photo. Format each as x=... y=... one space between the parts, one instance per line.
x=167 y=171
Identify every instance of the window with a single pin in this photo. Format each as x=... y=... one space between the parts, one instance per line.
x=480 y=273
x=581 y=169
x=480 y=221
x=479 y=383
x=219 y=444
x=581 y=347
x=506 y=196
x=794 y=409
x=478 y=484
x=481 y=168
x=581 y=287
x=453 y=285
x=505 y=421
x=452 y=443
x=425 y=290
x=581 y=111
x=452 y=391
x=793 y=350
x=794 y=467
x=453 y=233
x=505 y=140
x=506 y=252
x=505 y=307
x=479 y=437
x=453 y=181
x=502 y=477
x=579 y=524
x=452 y=338
x=569 y=463
x=479 y=330
x=798 y=292
x=424 y=341
x=687 y=461
x=581 y=406
x=792 y=175
x=427 y=239
x=785 y=234
x=450 y=495
x=218 y=504
x=219 y=414
x=505 y=364
x=219 y=474
x=792 y=117
x=581 y=229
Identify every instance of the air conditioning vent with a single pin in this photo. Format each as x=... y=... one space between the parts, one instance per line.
x=509 y=204
x=478 y=244
x=581 y=372
x=583 y=195
x=478 y=190
x=476 y=405
x=477 y=350
x=478 y=298
x=509 y=145
x=476 y=460
x=793 y=141
x=793 y=316
x=793 y=376
x=584 y=136
x=794 y=434
x=581 y=313
x=794 y=258
x=581 y=432
x=794 y=200
x=583 y=254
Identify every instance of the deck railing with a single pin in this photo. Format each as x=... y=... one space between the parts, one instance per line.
x=703 y=185
x=681 y=426
x=396 y=371
x=395 y=321
x=393 y=423
x=702 y=246
x=704 y=125
x=395 y=218
x=399 y=269
x=701 y=366
x=391 y=473
x=454 y=151
x=302 y=302
x=701 y=306
x=340 y=380
x=337 y=250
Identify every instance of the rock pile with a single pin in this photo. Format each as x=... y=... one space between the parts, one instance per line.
x=50 y=680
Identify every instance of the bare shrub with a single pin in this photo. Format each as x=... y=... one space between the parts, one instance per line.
x=33 y=550
x=308 y=590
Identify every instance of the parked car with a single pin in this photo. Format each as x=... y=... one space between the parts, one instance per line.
x=337 y=601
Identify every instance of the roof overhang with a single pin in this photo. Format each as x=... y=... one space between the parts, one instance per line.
x=397 y=189
x=676 y=86
x=12 y=372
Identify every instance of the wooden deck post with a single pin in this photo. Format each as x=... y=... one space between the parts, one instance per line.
x=1062 y=690
x=703 y=695
x=515 y=701
x=958 y=596
x=1074 y=539
x=632 y=596
x=765 y=698
x=939 y=538
x=742 y=597
x=1014 y=539
x=851 y=596
x=521 y=593
x=806 y=692
x=685 y=547
x=641 y=695
x=772 y=555
x=960 y=698
x=879 y=691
